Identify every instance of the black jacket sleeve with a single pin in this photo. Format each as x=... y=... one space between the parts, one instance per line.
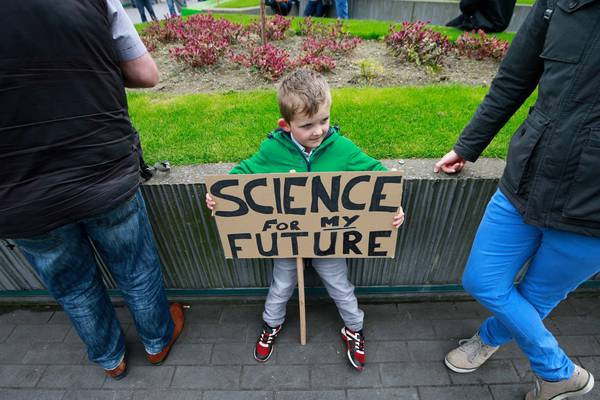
x=516 y=79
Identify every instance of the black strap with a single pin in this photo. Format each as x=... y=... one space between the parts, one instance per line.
x=549 y=9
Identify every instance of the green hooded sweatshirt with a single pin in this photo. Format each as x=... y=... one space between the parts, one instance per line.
x=279 y=154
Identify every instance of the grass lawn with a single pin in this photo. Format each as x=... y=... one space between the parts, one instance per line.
x=366 y=29
x=403 y=122
x=237 y=3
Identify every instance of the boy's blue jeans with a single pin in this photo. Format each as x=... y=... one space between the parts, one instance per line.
x=560 y=261
x=64 y=261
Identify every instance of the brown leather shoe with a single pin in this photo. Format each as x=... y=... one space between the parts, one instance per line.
x=118 y=373
x=176 y=310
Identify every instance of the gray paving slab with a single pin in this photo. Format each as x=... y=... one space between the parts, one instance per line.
x=241 y=313
x=13 y=353
x=207 y=378
x=238 y=395
x=41 y=356
x=173 y=394
x=400 y=330
x=386 y=351
x=581 y=325
x=429 y=350
x=414 y=374
x=54 y=353
x=312 y=353
x=38 y=333
x=493 y=371
x=509 y=392
x=384 y=312
x=383 y=394
x=30 y=394
x=206 y=313
x=580 y=345
x=239 y=354
x=60 y=318
x=456 y=329
x=72 y=377
x=98 y=395
x=150 y=377
x=311 y=395
x=22 y=376
x=263 y=377
x=28 y=317
x=455 y=393
x=213 y=333
x=5 y=330
x=340 y=376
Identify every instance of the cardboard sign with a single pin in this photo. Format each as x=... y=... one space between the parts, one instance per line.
x=333 y=214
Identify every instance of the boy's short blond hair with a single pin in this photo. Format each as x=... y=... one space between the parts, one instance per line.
x=303 y=91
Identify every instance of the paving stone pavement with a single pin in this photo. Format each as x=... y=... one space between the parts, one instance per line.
x=42 y=358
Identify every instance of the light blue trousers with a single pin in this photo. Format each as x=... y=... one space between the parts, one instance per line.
x=560 y=261
x=333 y=273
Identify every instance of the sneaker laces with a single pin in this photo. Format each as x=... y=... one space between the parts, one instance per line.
x=268 y=335
x=471 y=346
x=358 y=339
x=537 y=386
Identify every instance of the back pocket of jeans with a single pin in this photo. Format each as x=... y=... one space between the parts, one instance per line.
x=583 y=201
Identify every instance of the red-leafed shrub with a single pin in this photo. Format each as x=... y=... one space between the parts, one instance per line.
x=319 y=63
x=275 y=28
x=416 y=43
x=270 y=61
x=479 y=45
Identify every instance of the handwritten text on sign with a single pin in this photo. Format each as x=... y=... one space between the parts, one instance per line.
x=341 y=214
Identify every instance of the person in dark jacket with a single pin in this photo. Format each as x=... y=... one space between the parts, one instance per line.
x=487 y=15
x=547 y=208
x=316 y=8
x=69 y=182
x=281 y=7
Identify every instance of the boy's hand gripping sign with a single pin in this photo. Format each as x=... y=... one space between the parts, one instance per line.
x=333 y=214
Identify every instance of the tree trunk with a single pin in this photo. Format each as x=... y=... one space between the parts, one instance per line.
x=263 y=22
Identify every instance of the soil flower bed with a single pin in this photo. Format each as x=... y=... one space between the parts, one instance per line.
x=206 y=54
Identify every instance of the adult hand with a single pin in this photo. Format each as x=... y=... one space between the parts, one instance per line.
x=398 y=218
x=210 y=203
x=451 y=163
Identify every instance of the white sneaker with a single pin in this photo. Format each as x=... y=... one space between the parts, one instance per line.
x=579 y=384
x=469 y=355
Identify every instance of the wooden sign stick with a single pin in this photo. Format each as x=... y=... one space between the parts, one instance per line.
x=300 y=272
x=301 y=303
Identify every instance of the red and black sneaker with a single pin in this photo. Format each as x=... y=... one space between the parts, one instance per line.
x=265 y=343
x=355 y=347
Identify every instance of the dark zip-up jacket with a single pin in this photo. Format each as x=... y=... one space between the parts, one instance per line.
x=552 y=170
x=279 y=154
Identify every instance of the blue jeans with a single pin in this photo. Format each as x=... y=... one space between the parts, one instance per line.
x=140 y=4
x=64 y=261
x=560 y=261
x=341 y=9
x=179 y=3
x=314 y=8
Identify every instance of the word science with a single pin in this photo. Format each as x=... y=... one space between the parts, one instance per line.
x=326 y=214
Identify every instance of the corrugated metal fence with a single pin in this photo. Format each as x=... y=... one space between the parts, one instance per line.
x=433 y=245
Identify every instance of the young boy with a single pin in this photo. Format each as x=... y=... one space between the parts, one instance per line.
x=305 y=142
